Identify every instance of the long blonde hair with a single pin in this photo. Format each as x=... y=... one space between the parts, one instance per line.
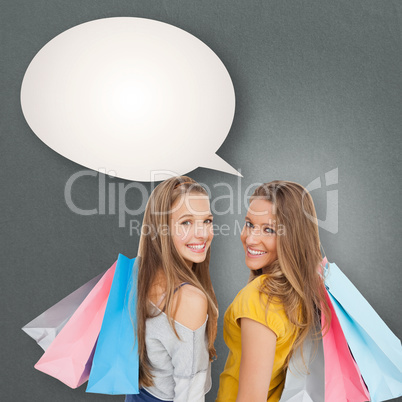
x=295 y=278
x=158 y=253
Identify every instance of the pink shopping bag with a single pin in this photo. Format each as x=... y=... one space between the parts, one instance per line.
x=343 y=381
x=69 y=356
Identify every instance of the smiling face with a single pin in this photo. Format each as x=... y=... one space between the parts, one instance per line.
x=259 y=235
x=191 y=224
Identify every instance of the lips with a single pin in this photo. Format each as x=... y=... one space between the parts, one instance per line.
x=252 y=253
x=196 y=247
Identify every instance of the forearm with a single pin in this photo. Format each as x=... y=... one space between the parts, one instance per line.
x=250 y=395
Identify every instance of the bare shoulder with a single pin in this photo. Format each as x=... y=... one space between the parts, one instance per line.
x=193 y=306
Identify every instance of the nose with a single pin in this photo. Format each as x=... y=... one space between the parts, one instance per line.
x=200 y=231
x=252 y=238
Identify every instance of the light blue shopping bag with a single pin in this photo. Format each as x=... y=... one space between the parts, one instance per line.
x=115 y=365
x=376 y=350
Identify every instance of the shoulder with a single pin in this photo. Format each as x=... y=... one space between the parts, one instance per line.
x=252 y=303
x=251 y=292
x=192 y=307
x=254 y=293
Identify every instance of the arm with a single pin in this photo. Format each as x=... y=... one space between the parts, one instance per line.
x=258 y=344
x=193 y=306
x=191 y=367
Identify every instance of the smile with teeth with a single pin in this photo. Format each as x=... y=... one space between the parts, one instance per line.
x=255 y=252
x=197 y=248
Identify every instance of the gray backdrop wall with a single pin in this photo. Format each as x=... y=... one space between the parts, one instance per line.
x=318 y=87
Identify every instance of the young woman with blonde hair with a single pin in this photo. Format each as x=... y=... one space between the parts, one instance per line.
x=272 y=316
x=176 y=304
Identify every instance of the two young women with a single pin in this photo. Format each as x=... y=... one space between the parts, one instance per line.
x=177 y=309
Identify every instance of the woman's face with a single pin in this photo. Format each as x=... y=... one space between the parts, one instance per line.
x=259 y=235
x=191 y=225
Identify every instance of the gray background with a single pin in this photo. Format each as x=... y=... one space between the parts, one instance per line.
x=318 y=87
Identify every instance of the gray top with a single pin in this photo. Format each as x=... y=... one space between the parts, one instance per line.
x=181 y=367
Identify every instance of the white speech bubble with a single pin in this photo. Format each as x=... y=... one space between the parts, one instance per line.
x=131 y=95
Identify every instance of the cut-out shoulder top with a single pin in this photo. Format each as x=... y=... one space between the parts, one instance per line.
x=181 y=367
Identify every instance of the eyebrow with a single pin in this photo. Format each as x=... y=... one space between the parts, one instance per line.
x=191 y=216
x=263 y=224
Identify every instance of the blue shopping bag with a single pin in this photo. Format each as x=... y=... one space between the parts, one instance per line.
x=376 y=350
x=115 y=365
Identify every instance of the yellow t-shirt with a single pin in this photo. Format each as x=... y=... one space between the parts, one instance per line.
x=251 y=303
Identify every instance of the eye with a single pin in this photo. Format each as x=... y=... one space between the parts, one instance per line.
x=249 y=224
x=185 y=223
x=269 y=230
x=208 y=221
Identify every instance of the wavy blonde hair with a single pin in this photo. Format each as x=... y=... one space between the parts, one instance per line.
x=295 y=278
x=158 y=253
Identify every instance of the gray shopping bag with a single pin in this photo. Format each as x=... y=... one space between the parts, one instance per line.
x=302 y=385
x=44 y=328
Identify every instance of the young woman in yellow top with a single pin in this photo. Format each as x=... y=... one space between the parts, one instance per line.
x=281 y=304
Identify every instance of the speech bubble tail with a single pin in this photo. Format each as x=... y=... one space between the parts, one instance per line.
x=217 y=163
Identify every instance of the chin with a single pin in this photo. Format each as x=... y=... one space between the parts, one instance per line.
x=196 y=260
x=254 y=267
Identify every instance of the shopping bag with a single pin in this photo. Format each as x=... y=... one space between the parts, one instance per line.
x=305 y=380
x=68 y=358
x=343 y=381
x=116 y=364
x=44 y=328
x=375 y=348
